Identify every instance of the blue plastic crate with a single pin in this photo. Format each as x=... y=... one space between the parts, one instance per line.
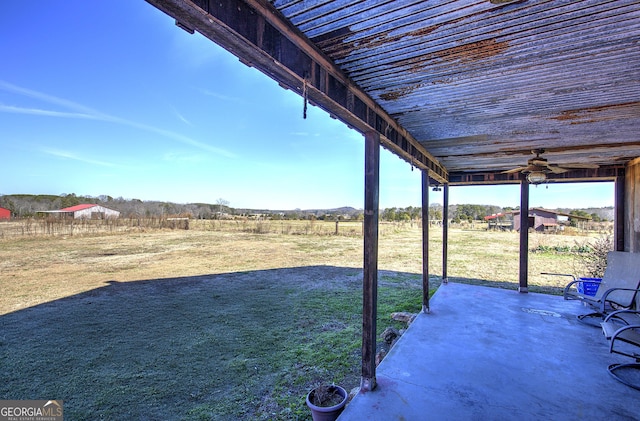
x=588 y=286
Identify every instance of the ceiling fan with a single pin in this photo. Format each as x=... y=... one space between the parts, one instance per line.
x=538 y=167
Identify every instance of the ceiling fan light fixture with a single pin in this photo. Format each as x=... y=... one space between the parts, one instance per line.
x=536 y=177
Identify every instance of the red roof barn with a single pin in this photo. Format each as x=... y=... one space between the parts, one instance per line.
x=5 y=213
x=85 y=211
x=90 y=211
x=544 y=219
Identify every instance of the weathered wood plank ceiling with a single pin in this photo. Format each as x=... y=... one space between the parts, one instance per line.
x=460 y=86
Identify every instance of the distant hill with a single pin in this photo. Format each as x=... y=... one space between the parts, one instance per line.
x=25 y=205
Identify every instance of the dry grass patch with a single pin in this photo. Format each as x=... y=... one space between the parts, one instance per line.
x=40 y=269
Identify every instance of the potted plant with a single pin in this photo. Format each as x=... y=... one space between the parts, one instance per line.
x=326 y=402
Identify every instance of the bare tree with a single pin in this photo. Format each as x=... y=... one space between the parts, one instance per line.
x=221 y=205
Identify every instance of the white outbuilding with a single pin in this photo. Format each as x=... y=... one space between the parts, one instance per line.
x=89 y=211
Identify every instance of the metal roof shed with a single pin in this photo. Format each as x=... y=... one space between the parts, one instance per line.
x=90 y=211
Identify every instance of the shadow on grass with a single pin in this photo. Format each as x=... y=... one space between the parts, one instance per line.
x=244 y=345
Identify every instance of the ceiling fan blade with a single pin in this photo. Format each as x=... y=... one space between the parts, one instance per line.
x=556 y=170
x=541 y=162
x=581 y=166
x=514 y=170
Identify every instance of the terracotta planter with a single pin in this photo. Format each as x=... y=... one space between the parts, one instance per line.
x=327 y=413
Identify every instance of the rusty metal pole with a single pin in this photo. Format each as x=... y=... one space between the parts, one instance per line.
x=524 y=236
x=425 y=242
x=370 y=272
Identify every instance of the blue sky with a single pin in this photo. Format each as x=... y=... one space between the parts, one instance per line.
x=112 y=98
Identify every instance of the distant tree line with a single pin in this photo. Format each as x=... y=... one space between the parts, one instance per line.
x=579 y=212
x=468 y=213
x=457 y=213
x=28 y=205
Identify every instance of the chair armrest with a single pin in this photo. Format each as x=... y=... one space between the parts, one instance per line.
x=617 y=312
x=565 y=293
x=620 y=331
x=604 y=300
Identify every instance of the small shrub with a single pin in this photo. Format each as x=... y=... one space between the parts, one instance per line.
x=262 y=227
x=326 y=396
x=593 y=262
x=577 y=249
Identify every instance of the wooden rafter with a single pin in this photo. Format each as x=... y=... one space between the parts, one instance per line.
x=256 y=32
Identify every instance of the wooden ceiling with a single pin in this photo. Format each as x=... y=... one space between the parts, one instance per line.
x=465 y=89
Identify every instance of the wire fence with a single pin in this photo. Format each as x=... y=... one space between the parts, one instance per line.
x=353 y=228
x=70 y=227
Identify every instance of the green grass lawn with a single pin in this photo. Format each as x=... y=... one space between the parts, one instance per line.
x=235 y=346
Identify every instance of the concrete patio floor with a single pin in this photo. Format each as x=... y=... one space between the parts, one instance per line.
x=495 y=354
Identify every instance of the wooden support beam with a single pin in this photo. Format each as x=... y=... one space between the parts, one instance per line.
x=425 y=242
x=370 y=272
x=632 y=207
x=524 y=236
x=618 y=216
x=445 y=231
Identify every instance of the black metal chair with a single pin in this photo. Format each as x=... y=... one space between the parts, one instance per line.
x=620 y=328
